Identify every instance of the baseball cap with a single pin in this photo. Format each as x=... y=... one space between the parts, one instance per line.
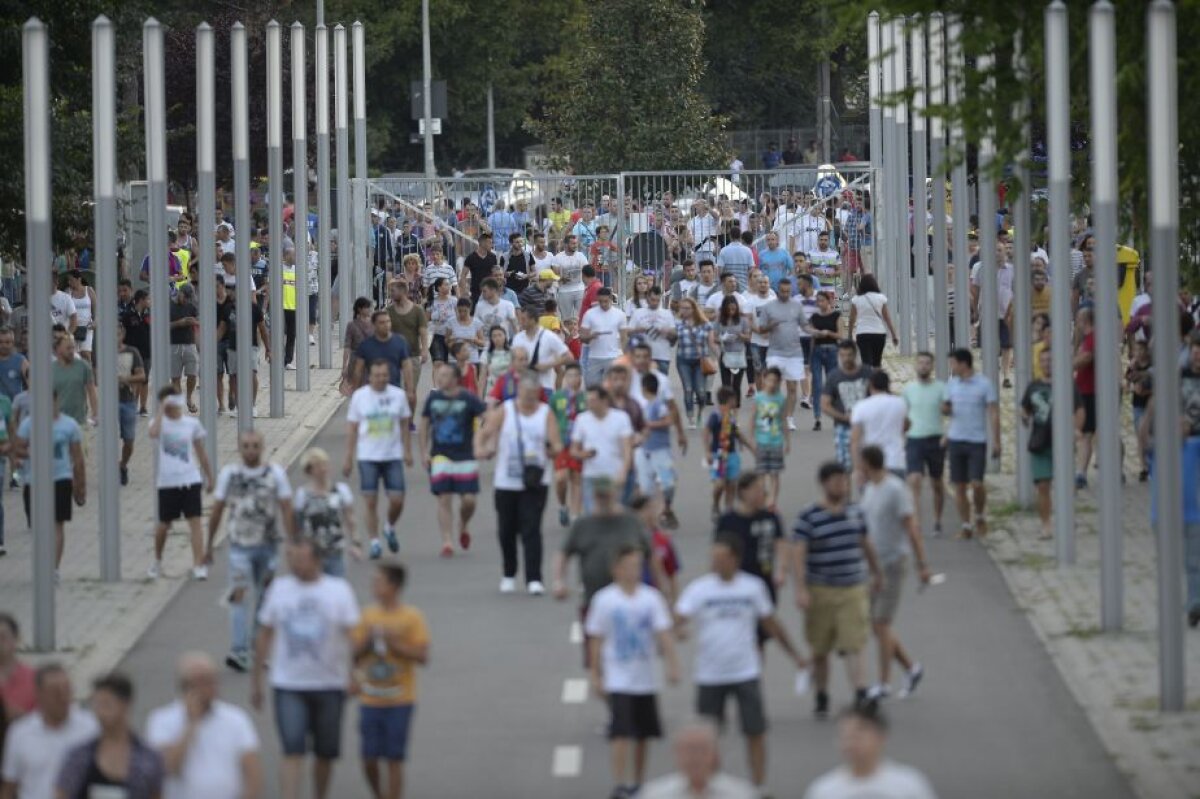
x=547 y=274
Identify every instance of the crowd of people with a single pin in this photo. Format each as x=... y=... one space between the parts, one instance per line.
x=547 y=377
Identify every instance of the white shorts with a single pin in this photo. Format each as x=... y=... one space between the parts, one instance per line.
x=792 y=367
x=86 y=344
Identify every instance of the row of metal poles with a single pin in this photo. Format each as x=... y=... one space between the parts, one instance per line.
x=353 y=241
x=898 y=50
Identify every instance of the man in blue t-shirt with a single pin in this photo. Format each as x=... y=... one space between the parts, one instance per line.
x=387 y=346
x=70 y=479
x=774 y=261
x=447 y=447
x=972 y=404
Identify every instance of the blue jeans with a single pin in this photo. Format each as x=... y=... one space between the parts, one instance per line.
x=1191 y=562
x=693 y=382
x=824 y=361
x=663 y=366
x=250 y=569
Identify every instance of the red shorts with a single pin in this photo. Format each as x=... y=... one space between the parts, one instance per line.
x=563 y=460
x=854 y=261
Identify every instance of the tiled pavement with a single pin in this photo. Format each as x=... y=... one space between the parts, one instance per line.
x=1114 y=677
x=98 y=622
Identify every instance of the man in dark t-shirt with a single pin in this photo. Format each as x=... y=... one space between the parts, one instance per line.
x=761 y=533
x=387 y=346
x=480 y=265
x=447 y=447
x=845 y=386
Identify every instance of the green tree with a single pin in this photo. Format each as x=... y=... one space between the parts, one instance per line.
x=630 y=95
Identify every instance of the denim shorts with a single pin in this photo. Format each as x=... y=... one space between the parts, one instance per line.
x=390 y=472
x=310 y=717
x=127 y=418
x=383 y=731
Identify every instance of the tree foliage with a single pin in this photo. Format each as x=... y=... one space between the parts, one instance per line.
x=631 y=94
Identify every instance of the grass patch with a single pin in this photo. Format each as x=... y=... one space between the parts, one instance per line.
x=1033 y=561
x=1006 y=510
x=1144 y=723
x=1081 y=633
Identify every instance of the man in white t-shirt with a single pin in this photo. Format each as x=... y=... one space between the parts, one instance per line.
x=727 y=605
x=602 y=440
x=547 y=351
x=729 y=288
x=62 y=307
x=379 y=438
x=494 y=311
x=569 y=264
x=304 y=632
x=863 y=735
x=703 y=226
x=628 y=625
x=603 y=330
x=209 y=747
x=37 y=743
x=760 y=294
x=809 y=228
x=878 y=420
x=182 y=473
x=653 y=323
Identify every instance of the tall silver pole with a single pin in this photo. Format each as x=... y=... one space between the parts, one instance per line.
x=362 y=241
x=875 y=117
x=156 y=174
x=206 y=93
x=427 y=90
x=885 y=250
x=491 y=127
x=919 y=172
x=300 y=199
x=39 y=259
x=1022 y=315
x=345 y=226
x=1163 y=129
x=324 y=295
x=275 y=212
x=956 y=84
x=937 y=154
x=1058 y=151
x=104 y=180
x=903 y=303
x=241 y=189
x=1102 y=60
x=320 y=13
x=989 y=318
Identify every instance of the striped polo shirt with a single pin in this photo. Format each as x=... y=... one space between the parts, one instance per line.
x=835 y=545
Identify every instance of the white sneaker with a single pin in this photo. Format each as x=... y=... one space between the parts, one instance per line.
x=535 y=588
x=912 y=680
x=507 y=585
x=291 y=367
x=155 y=570
x=691 y=424
x=200 y=572
x=791 y=423
x=312 y=340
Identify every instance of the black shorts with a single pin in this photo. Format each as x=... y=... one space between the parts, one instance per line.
x=1089 y=412
x=806 y=345
x=182 y=502
x=64 y=496
x=710 y=702
x=634 y=716
x=1005 y=336
x=925 y=455
x=968 y=461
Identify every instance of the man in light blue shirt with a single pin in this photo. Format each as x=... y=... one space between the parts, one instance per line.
x=737 y=258
x=971 y=402
x=923 y=446
x=774 y=261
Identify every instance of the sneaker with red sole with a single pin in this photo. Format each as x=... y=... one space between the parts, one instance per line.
x=447 y=551
x=464 y=540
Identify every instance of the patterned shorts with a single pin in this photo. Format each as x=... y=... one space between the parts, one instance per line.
x=841 y=445
x=769 y=460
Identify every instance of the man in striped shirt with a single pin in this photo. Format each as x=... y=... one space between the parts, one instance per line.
x=831 y=558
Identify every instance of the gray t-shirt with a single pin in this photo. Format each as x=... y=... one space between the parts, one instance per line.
x=789 y=319
x=596 y=540
x=886 y=504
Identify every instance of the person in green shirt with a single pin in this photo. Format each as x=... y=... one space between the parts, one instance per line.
x=566 y=403
x=925 y=452
x=770 y=436
x=74 y=383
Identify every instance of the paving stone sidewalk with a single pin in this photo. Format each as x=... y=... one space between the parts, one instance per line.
x=1114 y=677
x=98 y=622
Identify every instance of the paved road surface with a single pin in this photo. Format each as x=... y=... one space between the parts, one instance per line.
x=992 y=719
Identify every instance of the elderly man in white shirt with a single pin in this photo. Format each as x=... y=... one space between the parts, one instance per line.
x=698 y=777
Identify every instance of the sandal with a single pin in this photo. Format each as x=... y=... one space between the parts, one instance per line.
x=192 y=408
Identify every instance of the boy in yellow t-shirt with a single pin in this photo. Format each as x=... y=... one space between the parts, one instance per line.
x=391 y=639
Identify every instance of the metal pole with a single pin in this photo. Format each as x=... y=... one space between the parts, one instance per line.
x=886 y=199
x=1102 y=61
x=937 y=153
x=324 y=294
x=39 y=260
x=491 y=128
x=826 y=114
x=920 y=170
x=345 y=227
x=989 y=317
x=427 y=90
x=875 y=116
x=275 y=213
x=1058 y=151
x=104 y=180
x=241 y=191
x=320 y=13
x=206 y=186
x=1022 y=315
x=362 y=241
x=156 y=174
x=961 y=207
x=300 y=199
x=1163 y=129
x=903 y=302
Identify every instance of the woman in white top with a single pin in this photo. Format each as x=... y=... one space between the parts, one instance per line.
x=325 y=513
x=523 y=435
x=84 y=297
x=870 y=322
x=641 y=291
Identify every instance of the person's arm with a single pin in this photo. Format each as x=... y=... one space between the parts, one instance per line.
x=887 y=320
x=782 y=554
x=424 y=436
x=670 y=657
x=994 y=418
x=252 y=780
x=853 y=321
x=485 y=436
x=595 y=657
x=205 y=466
x=78 y=473
x=560 y=575
x=406 y=439
x=93 y=400
x=214 y=524
x=828 y=409
x=351 y=446
x=800 y=573
x=855 y=444
x=913 y=528
x=627 y=455
x=553 y=436
x=423 y=341
x=264 y=338
x=288 y=512
x=262 y=650
x=872 y=564
x=8 y=790
x=777 y=631
x=72 y=323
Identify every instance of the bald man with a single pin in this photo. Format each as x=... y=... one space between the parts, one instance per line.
x=699 y=774
x=209 y=747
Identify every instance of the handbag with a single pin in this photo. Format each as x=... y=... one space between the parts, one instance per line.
x=532 y=474
x=708 y=365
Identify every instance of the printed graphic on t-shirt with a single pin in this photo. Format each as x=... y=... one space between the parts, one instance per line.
x=304 y=628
